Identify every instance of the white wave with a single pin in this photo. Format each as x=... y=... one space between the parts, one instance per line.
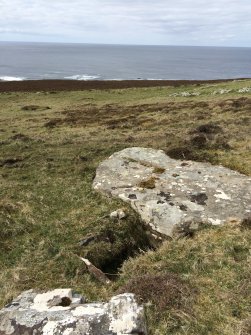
x=115 y=79
x=120 y=79
x=82 y=77
x=10 y=78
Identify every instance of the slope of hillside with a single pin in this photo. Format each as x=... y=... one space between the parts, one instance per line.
x=51 y=144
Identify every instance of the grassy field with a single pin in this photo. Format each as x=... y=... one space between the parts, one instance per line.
x=51 y=144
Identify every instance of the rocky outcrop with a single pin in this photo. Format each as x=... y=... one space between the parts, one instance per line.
x=169 y=194
x=61 y=312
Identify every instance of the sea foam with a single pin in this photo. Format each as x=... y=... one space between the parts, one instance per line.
x=82 y=77
x=10 y=78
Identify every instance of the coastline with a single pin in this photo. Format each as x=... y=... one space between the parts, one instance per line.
x=77 y=85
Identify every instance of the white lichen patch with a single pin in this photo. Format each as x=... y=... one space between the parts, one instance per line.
x=68 y=331
x=123 y=312
x=90 y=309
x=97 y=186
x=221 y=195
x=50 y=328
x=123 y=196
x=215 y=222
x=193 y=206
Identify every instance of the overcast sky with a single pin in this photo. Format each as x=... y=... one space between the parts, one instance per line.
x=168 y=22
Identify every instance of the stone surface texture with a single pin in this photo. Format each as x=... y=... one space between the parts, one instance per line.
x=169 y=193
x=60 y=312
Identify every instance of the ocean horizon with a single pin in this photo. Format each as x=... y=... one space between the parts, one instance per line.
x=74 y=61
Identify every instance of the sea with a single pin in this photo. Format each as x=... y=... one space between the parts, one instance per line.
x=32 y=61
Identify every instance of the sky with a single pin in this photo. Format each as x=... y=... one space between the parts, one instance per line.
x=160 y=22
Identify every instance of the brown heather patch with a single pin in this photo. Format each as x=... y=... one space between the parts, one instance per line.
x=148 y=183
x=215 y=261
x=11 y=161
x=34 y=108
x=190 y=129
x=246 y=222
x=246 y=327
x=165 y=291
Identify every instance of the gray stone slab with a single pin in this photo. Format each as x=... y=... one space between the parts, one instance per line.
x=168 y=193
x=60 y=312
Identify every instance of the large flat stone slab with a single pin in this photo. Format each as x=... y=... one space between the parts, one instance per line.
x=61 y=312
x=168 y=192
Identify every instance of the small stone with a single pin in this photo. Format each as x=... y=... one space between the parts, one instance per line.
x=157 y=237
x=118 y=214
